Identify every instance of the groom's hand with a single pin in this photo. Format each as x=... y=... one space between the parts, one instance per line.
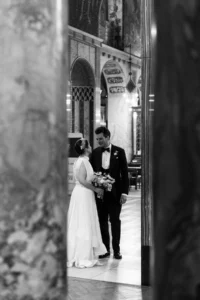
x=123 y=198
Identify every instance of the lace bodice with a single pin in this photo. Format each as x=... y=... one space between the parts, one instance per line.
x=88 y=167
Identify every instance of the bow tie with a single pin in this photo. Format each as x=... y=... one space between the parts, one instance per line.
x=105 y=149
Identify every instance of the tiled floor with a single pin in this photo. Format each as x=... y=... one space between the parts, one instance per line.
x=84 y=289
x=127 y=270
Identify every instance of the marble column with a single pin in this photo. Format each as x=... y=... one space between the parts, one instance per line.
x=177 y=151
x=147 y=139
x=97 y=95
x=33 y=149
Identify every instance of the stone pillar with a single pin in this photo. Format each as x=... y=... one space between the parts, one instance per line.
x=33 y=149
x=177 y=152
x=97 y=95
x=147 y=139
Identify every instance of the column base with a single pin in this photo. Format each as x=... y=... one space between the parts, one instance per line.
x=145 y=265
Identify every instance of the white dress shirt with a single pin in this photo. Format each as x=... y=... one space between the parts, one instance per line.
x=106 y=158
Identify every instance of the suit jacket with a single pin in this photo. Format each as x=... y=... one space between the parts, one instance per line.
x=118 y=168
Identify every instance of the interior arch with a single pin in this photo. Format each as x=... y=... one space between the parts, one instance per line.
x=82 y=96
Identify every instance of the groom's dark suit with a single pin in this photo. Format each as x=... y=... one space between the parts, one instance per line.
x=110 y=207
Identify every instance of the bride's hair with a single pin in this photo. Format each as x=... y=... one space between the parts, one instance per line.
x=81 y=145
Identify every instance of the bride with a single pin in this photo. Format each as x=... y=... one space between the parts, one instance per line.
x=84 y=242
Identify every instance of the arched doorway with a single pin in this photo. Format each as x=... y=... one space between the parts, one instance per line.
x=82 y=96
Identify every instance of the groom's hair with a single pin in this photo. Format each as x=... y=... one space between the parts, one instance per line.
x=103 y=130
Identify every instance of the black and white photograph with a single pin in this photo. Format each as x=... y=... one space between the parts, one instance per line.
x=99 y=150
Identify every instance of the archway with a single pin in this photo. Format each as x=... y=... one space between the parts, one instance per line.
x=82 y=96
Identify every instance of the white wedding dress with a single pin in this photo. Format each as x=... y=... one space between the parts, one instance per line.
x=84 y=242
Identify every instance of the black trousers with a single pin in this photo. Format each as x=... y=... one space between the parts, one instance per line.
x=109 y=210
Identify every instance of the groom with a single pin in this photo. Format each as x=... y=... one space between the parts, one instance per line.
x=110 y=159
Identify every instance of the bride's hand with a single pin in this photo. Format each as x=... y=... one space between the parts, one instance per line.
x=99 y=192
x=93 y=177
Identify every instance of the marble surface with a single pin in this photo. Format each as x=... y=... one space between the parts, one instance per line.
x=32 y=149
x=83 y=289
x=76 y=119
x=176 y=152
x=86 y=130
x=73 y=50
x=84 y=51
x=92 y=57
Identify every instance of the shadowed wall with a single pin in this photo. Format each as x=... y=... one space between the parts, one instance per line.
x=84 y=15
x=177 y=151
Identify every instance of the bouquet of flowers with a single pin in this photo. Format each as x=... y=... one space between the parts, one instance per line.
x=104 y=181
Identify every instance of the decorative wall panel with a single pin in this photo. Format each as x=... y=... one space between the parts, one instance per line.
x=84 y=15
x=115 y=29
x=83 y=98
x=116 y=79
x=80 y=93
x=132 y=26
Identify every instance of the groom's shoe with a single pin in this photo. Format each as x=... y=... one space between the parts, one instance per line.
x=107 y=254
x=117 y=255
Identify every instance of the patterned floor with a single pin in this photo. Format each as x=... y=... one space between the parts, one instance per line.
x=127 y=270
x=84 y=289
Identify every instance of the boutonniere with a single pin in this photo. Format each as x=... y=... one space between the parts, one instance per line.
x=116 y=153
